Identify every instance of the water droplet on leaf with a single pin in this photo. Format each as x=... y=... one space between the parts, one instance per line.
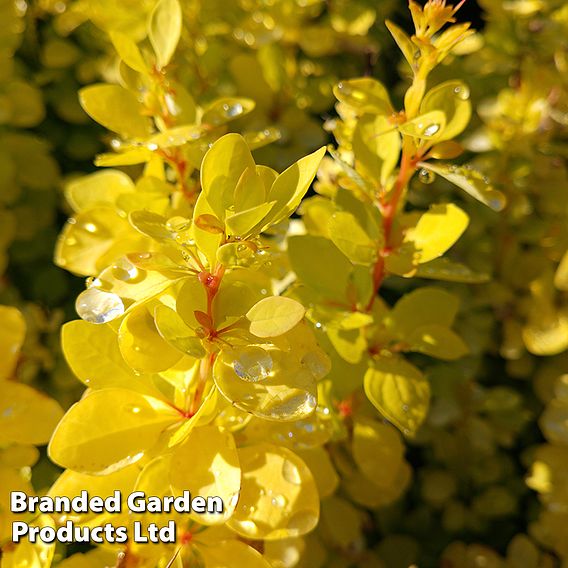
x=431 y=129
x=426 y=176
x=95 y=306
x=253 y=364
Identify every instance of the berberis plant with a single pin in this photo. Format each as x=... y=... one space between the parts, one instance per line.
x=309 y=342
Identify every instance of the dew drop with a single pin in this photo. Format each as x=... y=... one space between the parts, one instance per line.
x=232 y=110
x=431 y=129
x=253 y=364
x=426 y=176
x=178 y=224
x=279 y=501
x=124 y=270
x=317 y=363
x=344 y=88
x=249 y=527
x=291 y=473
x=462 y=92
x=95 y=306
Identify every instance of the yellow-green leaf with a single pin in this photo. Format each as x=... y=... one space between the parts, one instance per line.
x=221 y=170
x=399 y=391
x=437 y=341
x=378 y=451
x=109 y=429
x=424 y=306
x=98 y=189
x=174 y=330
x=365 y=95
x=12 y=334
x=426 y=126
x=287 y=506
x=471 y=181
x=350 y=238
x=116 y=108
x=207 y=464
x=291 y=185
x=27 y=416
x=164 y=30
x=452 y=98
x=274 y=316
x=376 y=147
x=142 y=347
x=128 y=51
x=437 y=230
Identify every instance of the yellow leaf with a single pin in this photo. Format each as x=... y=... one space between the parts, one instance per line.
x=274 y=316
x=174 y=330
x=378 y=451
x=233 y=551
x=109 y=429
x=71 y=483
x=350 y=238
x=376 y=147
x=142 y=347
x=321 y=466
x=93 y=355
x=437 y=341
x=98 y=189
x=116 y=108
x=437 y=230
x=365 y=95
x=452 y=98
x=27 y=416
x=128 y=51
x=278 y=499
x=12 y=334
x=427 y=126
x=291 y=185
x=31 y=554
x=399 y=391
x=423 y=306
x=164 y=30
x=221 y=171
x=207 y=465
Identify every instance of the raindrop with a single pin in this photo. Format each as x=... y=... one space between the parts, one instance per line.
x=178 y=224
x=291 y=473
x=462 y=92
x=426 y=176
x=232 y=110
x=249 y=527
x=124 y=270
x=279 y=501
x=253 y=364
x=95 y=306
x=344 y=88
x=317 y=363
x=431 y=129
